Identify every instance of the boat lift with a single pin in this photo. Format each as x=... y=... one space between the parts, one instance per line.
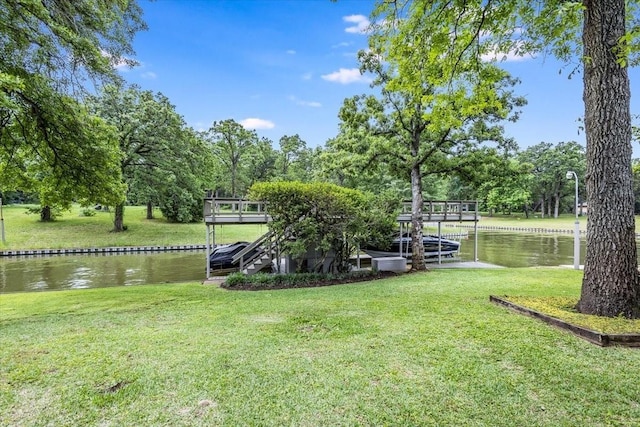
x=219 y=211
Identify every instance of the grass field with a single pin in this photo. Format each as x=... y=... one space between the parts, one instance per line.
x=72 y=230
x=420 y=349
x=564 y=221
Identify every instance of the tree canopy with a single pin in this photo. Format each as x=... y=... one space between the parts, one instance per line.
x=423 y=129
x=51 y=53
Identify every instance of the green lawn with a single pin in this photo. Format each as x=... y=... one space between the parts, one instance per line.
x=419 y=349
x=565 y=221
x=72 y=230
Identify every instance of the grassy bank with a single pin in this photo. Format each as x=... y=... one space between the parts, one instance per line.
x=73 y=230
x=421 y=349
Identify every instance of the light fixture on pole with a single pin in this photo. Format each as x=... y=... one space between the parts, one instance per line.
x=576 y=230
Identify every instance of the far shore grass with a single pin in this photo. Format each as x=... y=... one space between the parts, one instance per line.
x=73 y=230
x=418 y=349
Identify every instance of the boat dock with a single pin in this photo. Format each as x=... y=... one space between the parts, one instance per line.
x=221 y=211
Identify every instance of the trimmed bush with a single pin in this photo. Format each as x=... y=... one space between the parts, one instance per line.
x=262 y=281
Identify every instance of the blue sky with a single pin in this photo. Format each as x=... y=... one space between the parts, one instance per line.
x=284 y=67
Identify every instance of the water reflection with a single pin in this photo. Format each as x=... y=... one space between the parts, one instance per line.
x=95 y=271
x=523 y=250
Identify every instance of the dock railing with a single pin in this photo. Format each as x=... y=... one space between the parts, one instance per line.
x=234 y=211
x=240 y=211
x=442 y=211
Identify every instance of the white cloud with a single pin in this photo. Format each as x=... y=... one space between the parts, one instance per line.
x=346 y=76
x=302 y=103
x=361 y=24
x=291 y=52
x=342 y=44
x=148 y=75
x=255 y=123
x=121 y=64
x=511 y=56
x=307 y=76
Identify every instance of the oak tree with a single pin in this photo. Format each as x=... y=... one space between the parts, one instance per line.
x=422 y=131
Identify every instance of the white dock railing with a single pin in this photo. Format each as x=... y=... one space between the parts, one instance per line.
x=240 y=211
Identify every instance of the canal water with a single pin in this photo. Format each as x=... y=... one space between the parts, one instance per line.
x=26 y=274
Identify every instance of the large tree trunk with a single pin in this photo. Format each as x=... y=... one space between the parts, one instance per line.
x=556 y=206
x=611 y=280
x=549 y=207
x=417 y=248
x=45 y=214
x=542 y=206
x=118 y=220
x=149 y=210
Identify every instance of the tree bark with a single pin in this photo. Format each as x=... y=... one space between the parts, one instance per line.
x=149 y=210
x=556 y=207
x=542 y=207
x=118 y=220
x=417 y=248
x=45 y=214
x=610 y=286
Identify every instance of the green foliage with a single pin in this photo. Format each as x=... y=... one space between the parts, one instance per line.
x=325 y=218
x=56 y=148
x=508 y=187
x=163 y=161
x=421 y=125
x=181 y=204
x=88 y=211
x=294 y=159
x=231 y=144
x=49 y=143
x=66 y=41
x=549 y=165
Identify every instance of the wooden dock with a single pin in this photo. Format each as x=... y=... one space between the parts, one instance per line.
x=220 y=211
x=240 y=211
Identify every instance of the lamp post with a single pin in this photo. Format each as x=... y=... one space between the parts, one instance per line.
x=576 y=230
x=2 y=223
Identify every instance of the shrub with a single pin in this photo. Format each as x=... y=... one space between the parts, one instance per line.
x=262 y=281
x=88 y=211
x=324 y=218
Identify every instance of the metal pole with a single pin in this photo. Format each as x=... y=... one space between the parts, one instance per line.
x=207 y=253
x=439 y=242
x=576 y=230
x=475 y=234
x=576 y=233
x=2 y=223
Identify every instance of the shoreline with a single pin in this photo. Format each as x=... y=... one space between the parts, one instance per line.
x=105 y=250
